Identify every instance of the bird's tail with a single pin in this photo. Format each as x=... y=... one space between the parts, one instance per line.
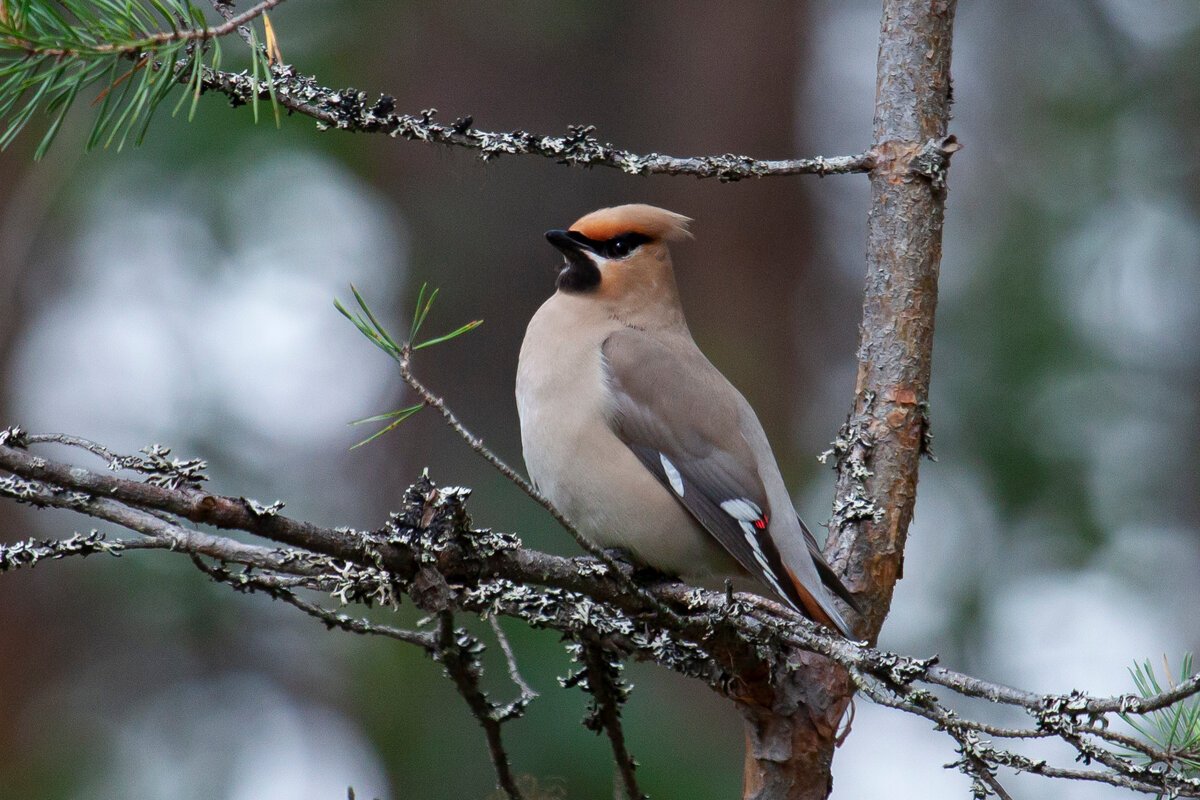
x=820 y=609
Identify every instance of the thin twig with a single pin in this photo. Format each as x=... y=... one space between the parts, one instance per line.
x=28 y=553
x=528 y=695
x=154 y=461
x=1007 y=695
x=271 y=585
x=975 y=752
x=475 y=443
x=463 y=668
x=227 y=11
x=95 y=448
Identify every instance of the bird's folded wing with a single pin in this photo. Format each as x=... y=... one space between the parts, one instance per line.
x=682 y=419
x=828 y=576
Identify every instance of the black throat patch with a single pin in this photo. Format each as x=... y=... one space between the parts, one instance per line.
x=579 y=274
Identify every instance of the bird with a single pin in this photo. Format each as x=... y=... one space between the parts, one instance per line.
x=632 y=433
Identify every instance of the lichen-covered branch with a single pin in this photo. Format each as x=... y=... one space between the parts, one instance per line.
x=429 y=552
x=53 y=58
x=458 y=651
x=601 y=678
x=356 y=111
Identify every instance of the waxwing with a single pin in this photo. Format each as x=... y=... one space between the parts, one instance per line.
x=638 y=439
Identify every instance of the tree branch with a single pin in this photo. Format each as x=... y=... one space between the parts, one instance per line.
x=281 y=589
x=879 y=448
x=428 y=552
x=352 y=110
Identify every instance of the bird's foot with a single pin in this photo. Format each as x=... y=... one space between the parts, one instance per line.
x=622 y=557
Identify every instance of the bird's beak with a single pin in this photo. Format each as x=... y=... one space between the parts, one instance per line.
x=569 y=243
x=578 y=270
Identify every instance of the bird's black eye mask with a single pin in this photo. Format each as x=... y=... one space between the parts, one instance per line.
x=616 y=247
x=580 y=272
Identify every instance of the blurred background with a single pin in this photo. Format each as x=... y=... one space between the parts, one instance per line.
x=182 y=293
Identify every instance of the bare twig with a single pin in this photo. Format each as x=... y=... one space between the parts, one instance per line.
x=528 y=695
x=475 y=443
x=457 y=652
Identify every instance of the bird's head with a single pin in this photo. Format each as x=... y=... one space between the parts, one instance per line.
x=620 y=251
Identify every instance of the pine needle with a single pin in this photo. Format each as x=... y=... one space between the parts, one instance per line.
x=372 y=329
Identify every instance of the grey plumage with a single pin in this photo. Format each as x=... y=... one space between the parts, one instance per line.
x=638 y=438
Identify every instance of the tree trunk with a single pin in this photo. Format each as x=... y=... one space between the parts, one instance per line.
x=791 y=728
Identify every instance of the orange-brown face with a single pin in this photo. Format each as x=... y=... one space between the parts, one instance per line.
x=617 y=250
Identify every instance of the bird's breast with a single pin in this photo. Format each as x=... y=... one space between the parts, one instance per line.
x=575 y=458
x=561 y=396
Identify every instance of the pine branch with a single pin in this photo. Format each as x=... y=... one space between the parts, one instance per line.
x=139 y=53
x=36 y=42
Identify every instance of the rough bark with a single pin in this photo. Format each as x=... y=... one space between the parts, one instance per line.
x=791 y=730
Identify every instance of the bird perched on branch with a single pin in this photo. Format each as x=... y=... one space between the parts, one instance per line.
x=639 y=440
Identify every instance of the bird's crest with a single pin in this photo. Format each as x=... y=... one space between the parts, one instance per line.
x=657 y=223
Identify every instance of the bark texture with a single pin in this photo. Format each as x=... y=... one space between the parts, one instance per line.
x=791 y=729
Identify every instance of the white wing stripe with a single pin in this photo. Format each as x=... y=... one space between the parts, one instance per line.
x=673 y=475
x=752 y=539
x=747 y=512
x=742 y=510
x=748 y=532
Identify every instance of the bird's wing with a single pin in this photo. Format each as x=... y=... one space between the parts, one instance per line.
x=683 y=420
x=828 y=576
